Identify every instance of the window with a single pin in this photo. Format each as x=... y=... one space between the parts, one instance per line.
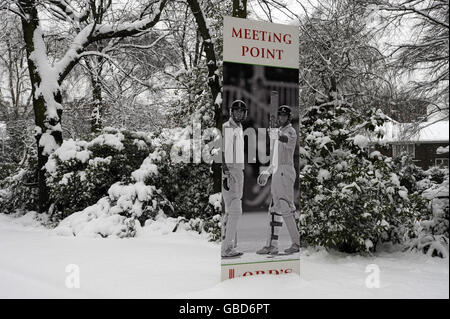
x=441 y=162
x=404 y=149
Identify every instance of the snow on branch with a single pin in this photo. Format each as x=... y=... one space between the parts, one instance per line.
x=95 y=32
x=48 y=87
x=125 y=29
x=107 y=57
x=81 y=41
x=143 y=47
x=13 y=7
x=70 y=11
x=208 y=46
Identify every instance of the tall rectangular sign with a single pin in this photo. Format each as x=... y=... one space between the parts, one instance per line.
x=260 y=149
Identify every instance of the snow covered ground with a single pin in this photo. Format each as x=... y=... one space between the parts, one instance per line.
x=162 y=264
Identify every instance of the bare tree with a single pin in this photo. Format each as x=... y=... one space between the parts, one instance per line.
x=15 y=93
x=240 y=8
x=339 y=57
x=424 y=57
x=213 y=79
x=93 y=21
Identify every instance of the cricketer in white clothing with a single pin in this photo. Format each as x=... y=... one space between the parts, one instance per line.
x=282 y=187
x=232 y=176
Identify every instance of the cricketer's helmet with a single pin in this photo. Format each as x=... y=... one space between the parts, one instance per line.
x=239 y=104
x=284 y=109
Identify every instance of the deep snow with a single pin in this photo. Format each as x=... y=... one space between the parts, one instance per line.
x=162 y=264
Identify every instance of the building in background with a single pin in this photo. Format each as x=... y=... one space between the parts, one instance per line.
x=427 y=143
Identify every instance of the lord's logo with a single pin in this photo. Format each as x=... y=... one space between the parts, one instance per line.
x=232 y=272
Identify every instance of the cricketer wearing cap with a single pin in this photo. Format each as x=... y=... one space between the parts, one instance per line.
x=282 y=186
x=233 y=176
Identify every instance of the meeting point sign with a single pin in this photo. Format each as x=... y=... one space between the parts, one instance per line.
x=260 y=112
x=260 y=43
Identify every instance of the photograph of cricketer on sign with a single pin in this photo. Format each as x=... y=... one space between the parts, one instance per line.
x=260 y=149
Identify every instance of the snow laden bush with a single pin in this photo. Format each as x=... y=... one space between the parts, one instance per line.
x=18 y=191
x=409 y=174
x=194 y=100
x=79 y=173
x=127 y=204
x=431 y=226
x=161 y=186
x=7 y=169
x=213 y=225
x=350 y=197
x=186 y=181
x=431 y=229
x=209 y=223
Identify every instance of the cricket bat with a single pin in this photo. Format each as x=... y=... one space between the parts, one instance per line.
x=273 y=119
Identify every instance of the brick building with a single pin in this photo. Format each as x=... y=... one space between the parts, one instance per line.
x=427 y=142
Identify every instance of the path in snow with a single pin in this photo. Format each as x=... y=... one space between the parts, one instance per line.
x=161 y=264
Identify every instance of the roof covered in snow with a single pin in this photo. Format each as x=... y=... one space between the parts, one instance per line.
x=425 y=132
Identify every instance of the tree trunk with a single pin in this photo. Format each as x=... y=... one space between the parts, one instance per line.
x=240 y=10
x=46 y=79
x=44 y=124
x=97 y=101
x=213 y=80
x=97 y=108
